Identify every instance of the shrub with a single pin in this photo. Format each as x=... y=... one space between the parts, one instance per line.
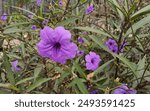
x=75 y=46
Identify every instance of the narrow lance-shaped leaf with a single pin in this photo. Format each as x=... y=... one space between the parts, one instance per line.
x=7 y=65
x=98 y=31
x=67 y=21
x=37 y=71
x=141 y=67
x=24 y=80
x=138 y=25
x=78 y=68
x=81 y=86
x=141 y=12
x=37 y=83
x=118 y=8
x=9 y=86
x=100 y=69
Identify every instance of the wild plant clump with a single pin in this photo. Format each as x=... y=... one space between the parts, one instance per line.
x=75 y=46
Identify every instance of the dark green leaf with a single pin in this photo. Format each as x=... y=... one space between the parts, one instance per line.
x=37 y=83
x=7 y=66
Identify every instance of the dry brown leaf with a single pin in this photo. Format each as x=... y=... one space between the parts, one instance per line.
x=90 y=76
x=56 y=77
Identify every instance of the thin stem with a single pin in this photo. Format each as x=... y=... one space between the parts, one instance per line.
x=144 y=73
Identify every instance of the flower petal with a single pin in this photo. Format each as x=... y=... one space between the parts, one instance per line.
x=44 y=49
x=69 y=50
x=46 y=34
x=88 y=58
x=62 y=33
x=15 y=66
x=92 y=61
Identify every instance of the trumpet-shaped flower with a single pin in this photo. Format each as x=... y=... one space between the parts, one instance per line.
x=3 y=17
x=112 y=45
x=80 y=53
x=124 y=90
x=38 y=2
x=60 y=3
x=89 y=9
x=80 y=40
x=55 y=44
x=33 y=27
x=15 y=66
x=45 y=22
x=92 y=61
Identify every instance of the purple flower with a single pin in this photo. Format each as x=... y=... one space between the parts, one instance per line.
x=30 y=16
x=89 y=9
x=55 y=44
x=33 y=27
x=112 y=45
x=60 y=3
x=15 y=66
x=111 y=42
x=85 y=33
x=80 y=40
x=80 y=52
x=45 y=22
x=3 y=17
x=94 y=92
x=124 y=90
x=114 y=49
x=92 y=61
x=38 y=2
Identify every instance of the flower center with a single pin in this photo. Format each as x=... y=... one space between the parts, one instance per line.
x=92 y=61
x=110 y=43
x=113 y=50
x=57 y=45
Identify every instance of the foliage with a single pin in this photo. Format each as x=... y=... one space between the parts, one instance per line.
x=124 y=21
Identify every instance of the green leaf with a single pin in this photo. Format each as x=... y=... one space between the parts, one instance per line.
x=7 y=66
x=17 y=24
x=128 y=63
x=12 y=30
x=100 y=69
x=141 y=70
x=15 y=30
x=24 y=80
x=147 y=76
x=60 y=80
x=62 y=77
x=138 y=25
x=23 y=50
x=25 y=10
x=93 y=30
x=9 y=86
x=141 y=12
x=37 y=83
x=22 y=9
x=78 y=68
x=118 y=8
x=67 y=21
x=99 y=42
x=37 y=71
x=101 y=81
x=81 y=86
x=5 y=91
x=12 y=55
x=140 y=67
